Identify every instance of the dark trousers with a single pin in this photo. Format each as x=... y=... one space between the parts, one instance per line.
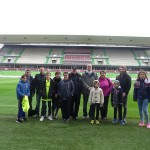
x=30 y=101
x=75 y=102
x=95 y=107
x=65 y=109
x=38 y=100
x=85 y=101
x=118 y=109
x=55 y=105
x=44 y=107
x=104 y=109
x=21 y=113
x=125 y=106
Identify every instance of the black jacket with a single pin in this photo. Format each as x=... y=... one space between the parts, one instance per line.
x=125 y=82
x=43 y=89
x=66 y=89
x=56 y=83
x=77 y=80
x=31 y=83
x=39 y=78
x=116 y=96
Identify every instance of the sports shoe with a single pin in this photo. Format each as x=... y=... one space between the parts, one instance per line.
x=49 y=117
x=124 y=120
x=24 y=119
x=19 y=121
x=92 y=122
x=141 y=124
x=97 y=122
x=121 y=122
x=42 y=118
x=148 y=125
x=114 y=121
x=36 y=116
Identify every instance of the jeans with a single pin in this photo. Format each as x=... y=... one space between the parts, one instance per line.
x=119 y=110
x=21 y=113
x=65 y=109
x=38 y=100
x=143 y=109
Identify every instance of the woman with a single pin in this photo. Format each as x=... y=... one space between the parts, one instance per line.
x=106 y=85
x=142 y=95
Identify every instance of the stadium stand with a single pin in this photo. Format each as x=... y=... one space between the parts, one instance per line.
x=4 y=51
x=34 y=55
x=121 y=57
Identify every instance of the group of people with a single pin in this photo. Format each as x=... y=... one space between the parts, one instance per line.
x=66 y=94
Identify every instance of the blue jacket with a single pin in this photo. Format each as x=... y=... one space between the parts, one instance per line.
x=22 y=89
x=66 y=89
x=141 y=89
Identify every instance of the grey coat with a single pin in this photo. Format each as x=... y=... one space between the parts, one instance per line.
x=87 y=82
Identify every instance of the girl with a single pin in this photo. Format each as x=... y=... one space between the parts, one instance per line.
x=142 y=95
x=96 y=99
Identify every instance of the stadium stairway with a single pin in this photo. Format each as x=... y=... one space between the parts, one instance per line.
x=134 y=55
x=15 y=61
x=4 y=58
x=107 y=59
x=47 y=58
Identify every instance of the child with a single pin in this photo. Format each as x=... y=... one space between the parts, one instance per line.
x=116 y=101
x=46 y=91
x=56 y=98
x=66 y=91
x=142 y=96
x=22 y=90
x=96 y=99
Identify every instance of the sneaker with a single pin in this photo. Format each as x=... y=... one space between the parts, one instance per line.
x=85 y=117
x=141 y=124
x=114 y=121
x=36 y=116
x=121 y=122
x=19 y=121
x=124 y=120
x=49 y=117
x=24 y=119
x=148 y=126
x=92 y=122
x=97 y=122
x=42 y=118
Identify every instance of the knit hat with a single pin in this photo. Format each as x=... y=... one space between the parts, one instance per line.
x=95 y=81
x=117 y=82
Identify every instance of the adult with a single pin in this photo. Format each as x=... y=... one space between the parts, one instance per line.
x=106 y=85
x=75 y=101
x=87 y=81
x=32 y=89
x=39 y=78
x=125 y=83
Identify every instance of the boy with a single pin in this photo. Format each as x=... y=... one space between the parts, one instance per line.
x=46 y=91
x=66 y=91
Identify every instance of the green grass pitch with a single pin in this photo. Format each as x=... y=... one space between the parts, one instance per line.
x=75 y=135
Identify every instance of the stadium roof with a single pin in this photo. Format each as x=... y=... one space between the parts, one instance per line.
x=76 y=40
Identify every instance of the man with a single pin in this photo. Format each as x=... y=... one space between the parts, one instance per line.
x=39 y=78
x=125 y=83
x=30 y=81
x=75 y=101
x=87 y=81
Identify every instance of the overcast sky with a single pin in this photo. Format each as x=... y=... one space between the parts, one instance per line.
x=77 y=17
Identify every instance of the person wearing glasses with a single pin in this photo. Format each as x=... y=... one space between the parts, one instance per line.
x=22 y=90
